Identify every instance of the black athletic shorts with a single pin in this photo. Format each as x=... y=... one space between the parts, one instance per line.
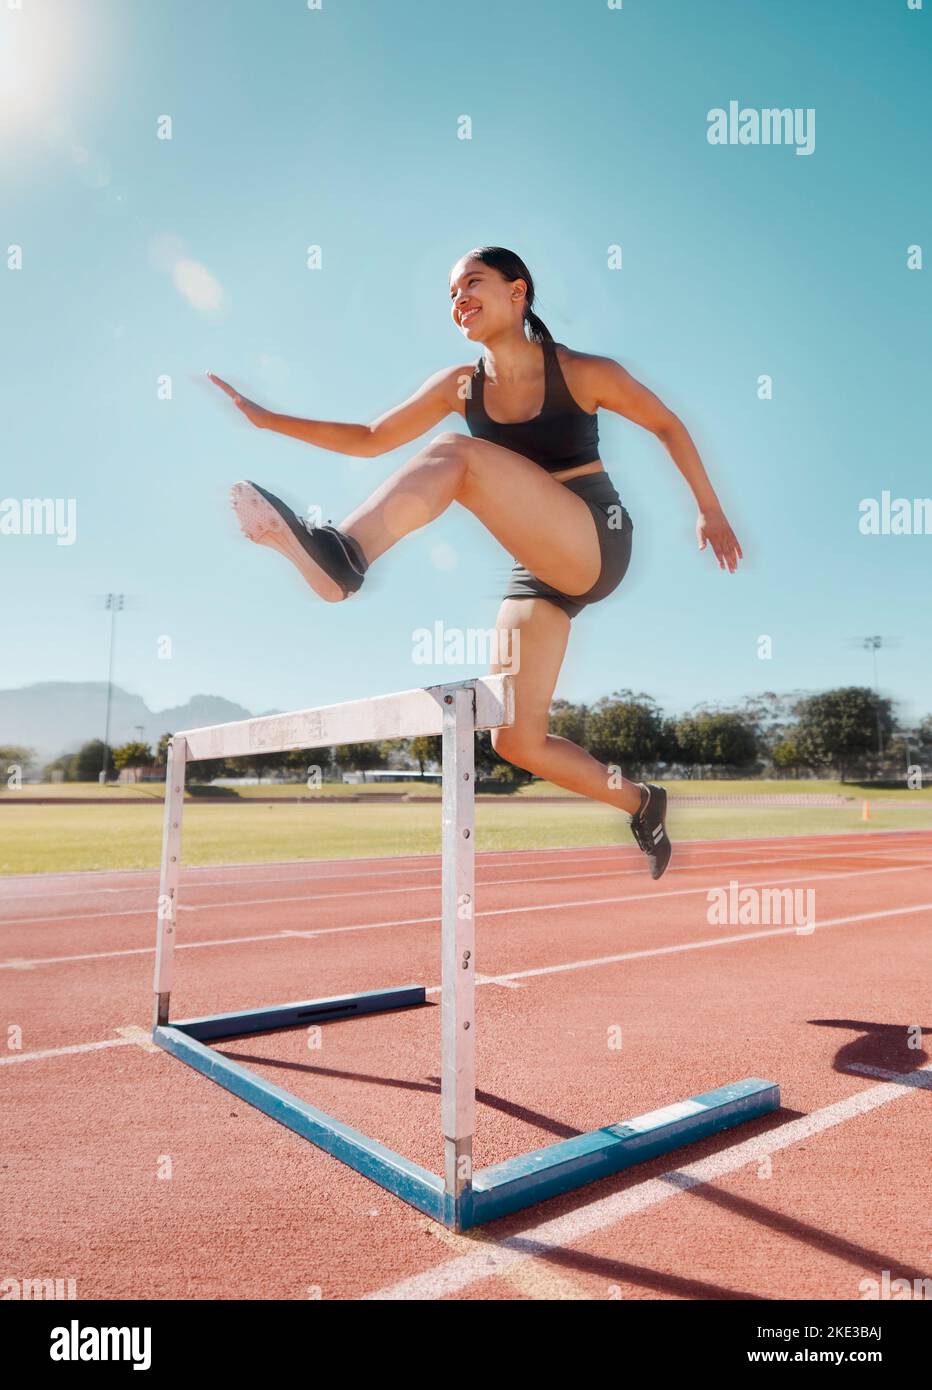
x=615 y=529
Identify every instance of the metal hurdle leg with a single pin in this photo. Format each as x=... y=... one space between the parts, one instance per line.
x=458 y=1022
x=168 y=881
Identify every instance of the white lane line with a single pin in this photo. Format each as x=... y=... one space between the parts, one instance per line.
x=493 y=1258
x=65 y=918
x=695 y=945
x=9 y=1058
x=28 y=962
x=921 y=1078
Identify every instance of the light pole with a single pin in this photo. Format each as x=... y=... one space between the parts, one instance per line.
x=115 y=605
x=873 y=644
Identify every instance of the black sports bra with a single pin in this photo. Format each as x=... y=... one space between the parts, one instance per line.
x=563 y=435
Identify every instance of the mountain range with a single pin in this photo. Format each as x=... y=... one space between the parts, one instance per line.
x=55 y=717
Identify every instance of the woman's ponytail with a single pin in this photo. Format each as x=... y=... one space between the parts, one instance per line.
x=538 y=332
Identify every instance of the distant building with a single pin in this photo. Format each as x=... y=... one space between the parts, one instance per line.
x=142 y=774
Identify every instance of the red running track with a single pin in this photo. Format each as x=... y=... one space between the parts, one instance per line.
x=138 y=1178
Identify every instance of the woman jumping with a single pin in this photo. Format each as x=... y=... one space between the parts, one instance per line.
x=529 y=469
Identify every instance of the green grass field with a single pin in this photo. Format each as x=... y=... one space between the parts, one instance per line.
x=45 y=839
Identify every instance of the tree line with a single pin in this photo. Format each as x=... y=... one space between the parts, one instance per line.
x=850 y=732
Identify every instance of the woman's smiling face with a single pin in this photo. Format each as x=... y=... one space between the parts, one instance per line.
x=482 y=300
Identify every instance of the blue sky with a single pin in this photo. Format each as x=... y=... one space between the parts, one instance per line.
x=338 y=127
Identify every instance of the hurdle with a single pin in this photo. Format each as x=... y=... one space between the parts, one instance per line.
x=460 y=1198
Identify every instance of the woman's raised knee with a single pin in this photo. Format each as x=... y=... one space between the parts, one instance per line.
x=450 y=443
x=450 y=452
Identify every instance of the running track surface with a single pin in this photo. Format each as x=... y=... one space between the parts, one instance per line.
x=129 y=1172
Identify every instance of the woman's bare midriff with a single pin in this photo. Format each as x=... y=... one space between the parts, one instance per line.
x=565 y=473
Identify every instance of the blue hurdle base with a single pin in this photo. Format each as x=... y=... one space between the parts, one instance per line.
x=496 y=1191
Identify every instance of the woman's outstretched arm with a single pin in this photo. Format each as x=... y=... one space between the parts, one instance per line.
x=616 y=389
x=419 y=413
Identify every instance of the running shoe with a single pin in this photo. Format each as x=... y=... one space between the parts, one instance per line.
x=329 y=560
x=649 y=830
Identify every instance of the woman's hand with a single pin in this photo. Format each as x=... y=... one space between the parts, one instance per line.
x=256 y=414
x=712 y=529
